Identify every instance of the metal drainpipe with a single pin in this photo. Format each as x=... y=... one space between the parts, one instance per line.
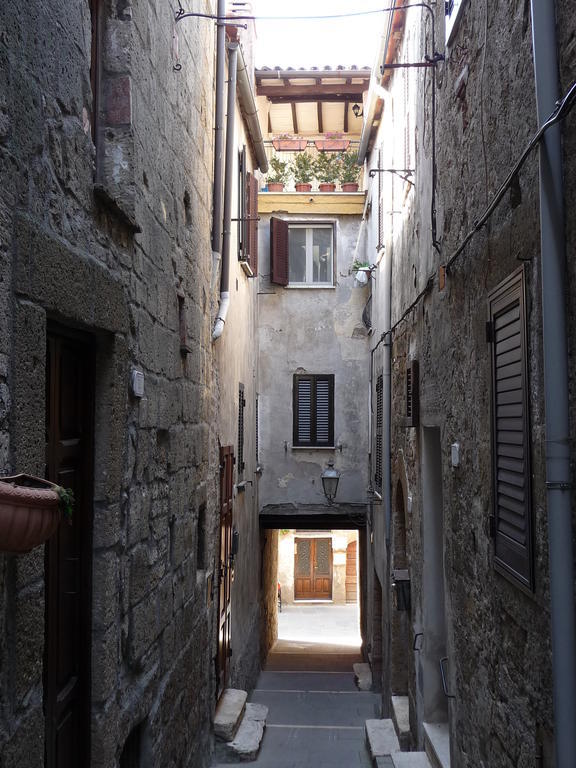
x=218 y=138
x=558 y=481
x=228 y=184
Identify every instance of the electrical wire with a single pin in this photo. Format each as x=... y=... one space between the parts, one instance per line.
x=563 y=108
x=182 y=14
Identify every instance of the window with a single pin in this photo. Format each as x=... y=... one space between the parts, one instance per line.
x=241 y=406
x=247 y=217
x=313 y=411
x=511 y=523
x=302 y=254
x=453 y=11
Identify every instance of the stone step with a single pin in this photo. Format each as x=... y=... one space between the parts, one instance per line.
x=437 y=744
x=410 y=760
x=401 y=718
x=363 y=676
x=246 y=743
x=229 y=711
x=381 y=738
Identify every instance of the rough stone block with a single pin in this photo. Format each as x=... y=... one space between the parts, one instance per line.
x=363 y=676
x=229 y=713
x=246 y=744
x=410 y=760
x=381 y=737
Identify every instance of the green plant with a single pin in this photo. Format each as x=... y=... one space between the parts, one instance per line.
x=356 y=265
x=279 y=174
x=66 y=502
x=302 y=168
x=327 y=167
x=349 y=168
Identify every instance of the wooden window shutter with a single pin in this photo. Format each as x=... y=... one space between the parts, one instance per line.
x=278 y=251
x=379 y=432
x=512 y=522
x=412 y=400
x=313 y=410
x=252 y=214
x=241 y=406
x=243 y=207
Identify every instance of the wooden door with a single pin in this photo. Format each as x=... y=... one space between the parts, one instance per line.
x=351 y=571
x=68 y=563
x=225 y=571
x=313 y=569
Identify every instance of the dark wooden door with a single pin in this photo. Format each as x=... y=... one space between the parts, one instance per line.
x=69 y=445
x=225 y=572
x=313 y=569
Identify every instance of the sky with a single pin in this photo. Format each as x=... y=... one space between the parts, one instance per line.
x=317 y=43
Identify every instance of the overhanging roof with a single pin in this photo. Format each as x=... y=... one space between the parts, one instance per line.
x=313 y=101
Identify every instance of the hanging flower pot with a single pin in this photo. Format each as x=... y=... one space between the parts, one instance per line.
x=29 y=512
x=332 y=145
x=289 y=144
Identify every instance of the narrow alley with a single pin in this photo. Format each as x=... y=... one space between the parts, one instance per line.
x=316 y=713
x=287 y=383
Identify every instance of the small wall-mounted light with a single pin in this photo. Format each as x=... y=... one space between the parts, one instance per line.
x=330 y=478
x=358 y=111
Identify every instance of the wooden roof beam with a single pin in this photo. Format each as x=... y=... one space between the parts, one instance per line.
x=324 y=91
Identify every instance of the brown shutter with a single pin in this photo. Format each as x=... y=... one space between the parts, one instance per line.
x=510 y=431
x=278 y=251
x=252 y=207
x=241 y=406
x=313 y=410
x=412 y=395
x=379 y=431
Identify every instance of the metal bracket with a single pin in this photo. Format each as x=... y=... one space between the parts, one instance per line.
x=558 y=486
x=402 y=173
x=415 y=643
x=444 y=683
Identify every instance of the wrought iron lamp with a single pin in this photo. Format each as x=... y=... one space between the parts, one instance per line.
x=358 y=111
x=330 y=478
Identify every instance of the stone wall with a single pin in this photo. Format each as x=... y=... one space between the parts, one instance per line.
x=110 y=258
x=497 y=636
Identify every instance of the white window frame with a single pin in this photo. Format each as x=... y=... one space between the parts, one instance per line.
x=453 y=18
x=309 y=226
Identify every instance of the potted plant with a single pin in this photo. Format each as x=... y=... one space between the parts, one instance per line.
x=279 y=175
x=288 y=143
x=349 y=171
x=302 y=169
x=30 y=511
x=326 y=170
x=332 y=142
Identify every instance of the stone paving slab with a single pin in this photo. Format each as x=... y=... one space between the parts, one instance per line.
x=326 y=708
x=286 y=747
x=306 y=681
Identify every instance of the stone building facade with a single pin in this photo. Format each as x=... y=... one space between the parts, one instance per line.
x=108 y=635
x=472 y=651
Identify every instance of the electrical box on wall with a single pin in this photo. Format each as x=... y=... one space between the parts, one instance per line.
x=455 y=454
x=137 y=383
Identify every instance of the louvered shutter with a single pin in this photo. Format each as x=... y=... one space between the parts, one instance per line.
x=240 y=452
x=512 y=525
x=252 y=208
x=313 y=410
x=412 y=402
x=278 y=251
x=243 y=207
x=379 y=432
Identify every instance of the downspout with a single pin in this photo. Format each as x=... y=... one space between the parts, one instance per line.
x=218 y=138
x=558 y=481
x=250 y=113
x=228 y=184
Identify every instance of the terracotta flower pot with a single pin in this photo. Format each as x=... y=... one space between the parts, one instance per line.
x=324 y=186
x=275 y=186
x=290 y=145
x=303 y=187
x=350 y=186
x=332 y=145
x=29 y=512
